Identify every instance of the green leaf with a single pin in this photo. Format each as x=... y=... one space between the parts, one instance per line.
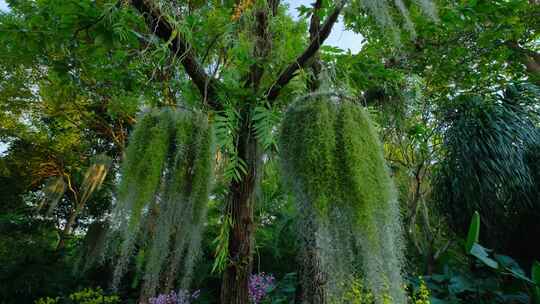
x=434 y=300
x=222 y=246
x=459 y=284
x=535 y=275
x=474 y=232
x=303 y=10
x=512 y=267
x=482 y=254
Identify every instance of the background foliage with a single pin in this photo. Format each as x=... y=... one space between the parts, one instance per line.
x=453 y=100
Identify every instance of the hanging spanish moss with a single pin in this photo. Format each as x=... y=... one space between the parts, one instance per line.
x=163 y=195
x=94 y=176
x=53 y=190
x=429 y=8
x=409 y=26
x=333 y=160
x=382 y=11
x=183 y=205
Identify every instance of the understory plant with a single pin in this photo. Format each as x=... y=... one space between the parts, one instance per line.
x=475 y=274
x=85 y=296
x=489 y=160
x=359 y=293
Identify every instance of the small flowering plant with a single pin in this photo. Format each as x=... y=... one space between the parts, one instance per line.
x=182 y=297
x=259 y=286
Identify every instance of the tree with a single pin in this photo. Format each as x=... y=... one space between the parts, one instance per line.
x=61 y=104
x=240 y=201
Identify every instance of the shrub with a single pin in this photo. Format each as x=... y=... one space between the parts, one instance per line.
x=85 y=296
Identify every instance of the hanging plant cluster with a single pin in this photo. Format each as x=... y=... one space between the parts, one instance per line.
x=334 y=162
x=162 y=197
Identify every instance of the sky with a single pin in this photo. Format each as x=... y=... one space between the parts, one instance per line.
x=339 y=36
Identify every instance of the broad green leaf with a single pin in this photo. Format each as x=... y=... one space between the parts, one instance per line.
x=482 y=254
x=512 y=267
x=535 y=272
x=459 y=284
x=474 y=232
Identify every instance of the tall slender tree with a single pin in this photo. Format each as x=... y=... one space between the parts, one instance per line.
x=261 y=85
x=241 y=194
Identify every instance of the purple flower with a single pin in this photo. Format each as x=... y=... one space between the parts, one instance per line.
x=182 y=297
x=259 y=286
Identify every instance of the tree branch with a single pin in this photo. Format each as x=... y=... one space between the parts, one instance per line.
x=529 y=58
x=315 y=62
x=263 y=44
x=302 y=60
x=181 y=49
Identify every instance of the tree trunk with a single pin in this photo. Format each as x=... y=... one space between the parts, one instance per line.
x=312 y=279
x=234 y=287
x=529 y=58
x=69 y=226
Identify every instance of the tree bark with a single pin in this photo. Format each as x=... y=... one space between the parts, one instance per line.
x=241 y=199
x=67 y=229
x=234 y=286
x=79 y=204
x=315 y=65
x=529 y=58
x=182 y=50
x=312 y=278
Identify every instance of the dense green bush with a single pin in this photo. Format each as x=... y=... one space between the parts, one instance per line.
x=30 y=265
x=489 y=165
x=85 y=296
x=472 y=273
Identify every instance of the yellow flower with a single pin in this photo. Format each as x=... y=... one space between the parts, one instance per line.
x=240 y=8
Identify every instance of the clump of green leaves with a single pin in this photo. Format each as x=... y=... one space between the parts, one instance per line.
x=488 y=163
x=85 y=296
x=334 y=163
x=358 y=293
x=93 y=296
x=163 y=195
x=476 y=274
